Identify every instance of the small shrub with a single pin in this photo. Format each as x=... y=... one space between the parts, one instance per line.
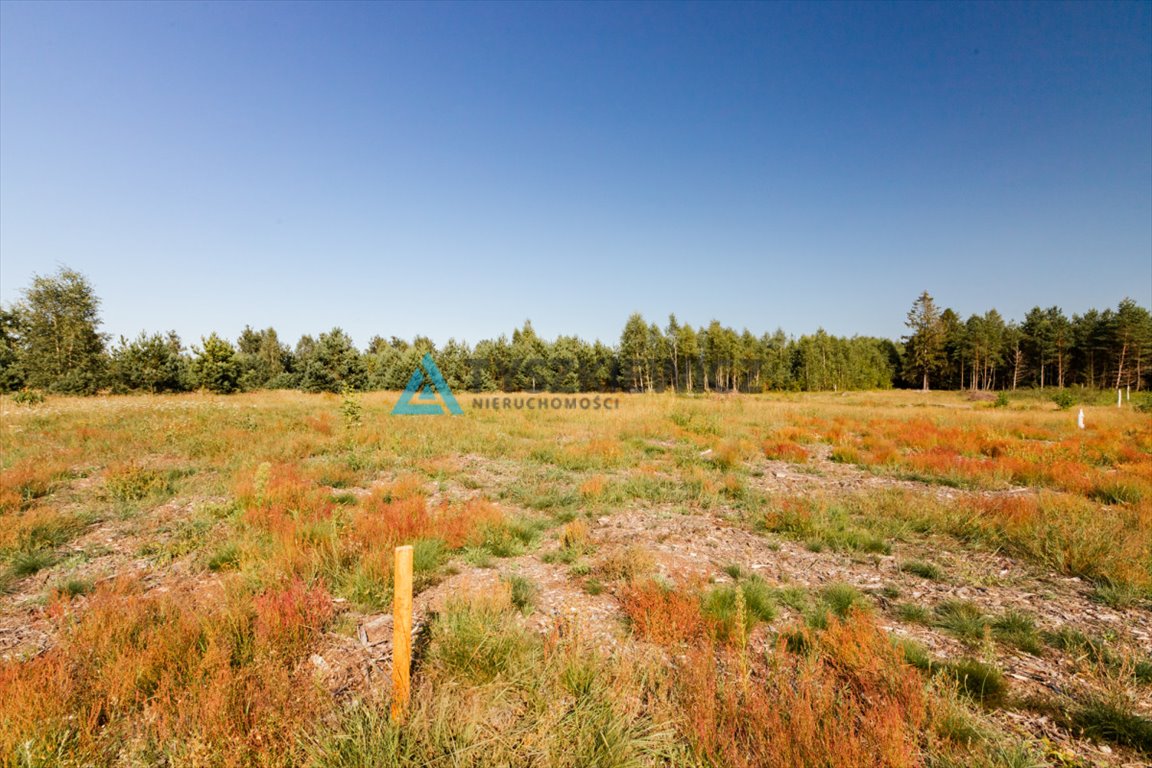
x=729 y=454
x=477 y=556
x=1064 y=399
x=1001 y=400
x=350 y=407
x=759 y=597
x=511 y=538
x=369 y=585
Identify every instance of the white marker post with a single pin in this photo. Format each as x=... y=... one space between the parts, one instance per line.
x=1080 y=419
x=1119 y=398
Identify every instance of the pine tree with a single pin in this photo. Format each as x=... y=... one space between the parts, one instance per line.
x=634 y=353
x=334 y=363
x=150 y=363
x=925 y=346
x=215 y=367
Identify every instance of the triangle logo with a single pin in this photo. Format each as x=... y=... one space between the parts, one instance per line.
x=419 y=398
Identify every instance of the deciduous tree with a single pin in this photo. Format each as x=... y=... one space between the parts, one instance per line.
x=61 y=347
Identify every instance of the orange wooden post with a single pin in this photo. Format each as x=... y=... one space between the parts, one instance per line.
x=401 y=632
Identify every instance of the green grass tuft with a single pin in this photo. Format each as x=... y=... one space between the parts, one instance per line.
x=1019 y=630
x=1103 y=718
x=27 y=562
x=913 y=613
x=962 y=618
x=977 y=680
x=523 y=592
x=922 y=569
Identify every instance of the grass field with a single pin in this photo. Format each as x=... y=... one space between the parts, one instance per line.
x=870 y=579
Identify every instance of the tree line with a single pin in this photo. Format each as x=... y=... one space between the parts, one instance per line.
x=50 y=340
x=1099 y=350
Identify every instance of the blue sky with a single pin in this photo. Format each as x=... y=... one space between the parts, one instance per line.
x=451 y=169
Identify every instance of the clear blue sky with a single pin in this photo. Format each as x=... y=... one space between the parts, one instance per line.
x=454 y=169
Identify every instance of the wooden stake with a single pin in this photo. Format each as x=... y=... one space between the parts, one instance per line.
x=401 y=632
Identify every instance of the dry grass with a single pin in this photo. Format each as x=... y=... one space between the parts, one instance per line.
x=286 y=519
x=206 y=681
x=850 y=700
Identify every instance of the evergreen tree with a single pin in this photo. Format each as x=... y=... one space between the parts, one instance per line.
x=332 y=364
x=633 y=353
x=776 y=356
x=215 y=367
x=528 y=359
x=924 y=347
x=262 y=358
x=564 y=365
x=955 y=350
x=453 y=362
x=1132 y=340
x=1038 y=343
x=150 y=363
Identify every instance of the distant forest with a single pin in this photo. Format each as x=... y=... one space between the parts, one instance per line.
x=50 y=341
